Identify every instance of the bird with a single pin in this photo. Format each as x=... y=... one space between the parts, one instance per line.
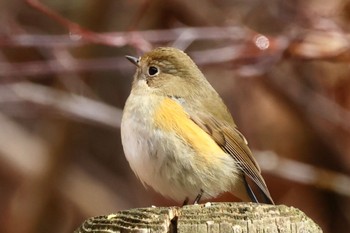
x=180 y=138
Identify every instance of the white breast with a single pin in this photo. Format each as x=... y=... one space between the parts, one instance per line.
x=135 y=136
x=163 y=160
x=159 y=159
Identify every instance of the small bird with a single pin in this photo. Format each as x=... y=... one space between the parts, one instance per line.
x=179 y=137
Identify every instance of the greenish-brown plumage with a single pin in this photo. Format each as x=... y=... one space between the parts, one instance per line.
x=169 y=73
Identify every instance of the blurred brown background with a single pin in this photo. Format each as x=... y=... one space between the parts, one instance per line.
x=282 y=67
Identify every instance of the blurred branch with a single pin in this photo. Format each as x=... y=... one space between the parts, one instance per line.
x=40 y=68
x=153 y=36
x=311 y=102
x=68 y=104
x=311 y=44
x=303 y=173
x=144 y=6
x=256 y=49
x=308 y=44
x=325 y=40
x=86 y=34
x=29 y=159
x=54 y=66
x=81 y=188
x=329 y=120
x=245 y=53
x=34 y=162
x=72 y=82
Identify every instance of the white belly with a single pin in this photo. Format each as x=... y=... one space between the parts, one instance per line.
x=164 y=161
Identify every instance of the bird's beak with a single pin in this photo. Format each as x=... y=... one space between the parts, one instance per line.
x=133 y=60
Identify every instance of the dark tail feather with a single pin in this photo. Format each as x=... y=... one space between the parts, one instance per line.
x=250 y=191
x=267 y=199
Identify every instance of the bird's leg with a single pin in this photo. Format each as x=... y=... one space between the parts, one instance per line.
x=199 y=196
x=185 y=201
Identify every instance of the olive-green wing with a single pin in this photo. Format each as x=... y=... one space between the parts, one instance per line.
x=234 y=143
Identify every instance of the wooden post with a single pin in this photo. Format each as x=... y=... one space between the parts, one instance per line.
x=222 y=217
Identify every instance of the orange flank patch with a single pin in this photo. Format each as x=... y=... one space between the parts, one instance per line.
x=170 y=116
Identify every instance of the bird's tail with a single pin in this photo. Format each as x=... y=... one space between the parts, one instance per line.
x=266 y=198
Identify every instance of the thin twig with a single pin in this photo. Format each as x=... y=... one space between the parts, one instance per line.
x=234 y=34
x=303 y=173
x=68 y=104
x=36 y=68
x=86 y=34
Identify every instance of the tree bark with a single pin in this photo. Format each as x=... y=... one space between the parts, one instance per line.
x=209 y=217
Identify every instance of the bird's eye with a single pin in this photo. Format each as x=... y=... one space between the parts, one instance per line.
x=152 y=70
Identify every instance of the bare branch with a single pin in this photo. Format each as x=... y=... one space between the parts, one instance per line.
x=70 y=105
x=36 y=68
x=86 y=34
x=303 y=173
x=234 y=34
x=29 y=159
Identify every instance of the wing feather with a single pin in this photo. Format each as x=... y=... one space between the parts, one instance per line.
x=233 y=142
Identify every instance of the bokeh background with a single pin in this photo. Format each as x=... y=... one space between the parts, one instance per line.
x=281 y=66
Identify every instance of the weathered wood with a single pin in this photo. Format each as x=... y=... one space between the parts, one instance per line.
x=209 y=217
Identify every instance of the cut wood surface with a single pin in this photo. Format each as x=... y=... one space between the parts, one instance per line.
x=209 y=217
